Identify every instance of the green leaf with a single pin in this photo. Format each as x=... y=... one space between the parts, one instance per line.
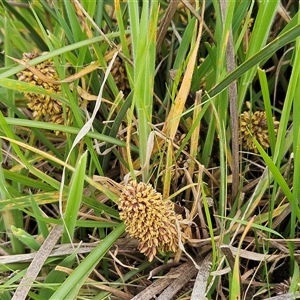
x=25 y=238
x=74 y=200
x=254 y=60
x=71 y=286
x=57 y=277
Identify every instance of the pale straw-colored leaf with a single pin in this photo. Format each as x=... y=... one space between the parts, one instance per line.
x=201 y=280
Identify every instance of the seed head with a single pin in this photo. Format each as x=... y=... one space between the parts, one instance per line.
x=149 y=219
x=42 y=105
x=254 y=125
x=119 y=74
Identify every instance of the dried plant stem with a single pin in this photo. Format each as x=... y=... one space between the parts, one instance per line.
x=233 y=106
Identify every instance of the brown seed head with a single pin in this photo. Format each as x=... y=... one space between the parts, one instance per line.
x=119 y=74
x=254 y=125
x=149 y=219
x=43 y=106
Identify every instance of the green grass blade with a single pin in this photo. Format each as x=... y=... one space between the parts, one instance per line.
x=57 y=52
x=26 y=18
x=277 y=176
x=25 y=238
x=268 y=109
x=70 y=287
x=294 y=89
x=74 y=200
x=260 y=33
x=42 y=225
x=57 y=277
x=144 y=48
x=66 y=129
x=254 y=60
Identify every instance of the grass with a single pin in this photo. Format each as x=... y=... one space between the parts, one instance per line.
x=161 y=113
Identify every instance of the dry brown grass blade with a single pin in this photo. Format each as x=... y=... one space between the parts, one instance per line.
x=168 y=171
x=87 y=70
x=165 y=281
x=201 y=279
x=83 y=15
x=194 y=142
x=254 y=256
x=228 y=254
x=283 y=12
x=165 y=22
x=288 y=296
x=189 y=272
x=37 y=263
x=200 y=19
x=90 y=68
x=233 y=105
x=33 y=70
x=156 y=287
x=173 y=119
x=63 y=250
x=194 y=145
x=124 y=245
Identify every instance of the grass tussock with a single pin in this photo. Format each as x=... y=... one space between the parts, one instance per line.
x=149 y=149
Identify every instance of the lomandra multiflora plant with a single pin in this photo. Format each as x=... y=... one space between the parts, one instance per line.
x=149 y=219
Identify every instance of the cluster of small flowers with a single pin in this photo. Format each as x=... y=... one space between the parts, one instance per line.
x=43 y=106
x=254 y=125
x=149 y=219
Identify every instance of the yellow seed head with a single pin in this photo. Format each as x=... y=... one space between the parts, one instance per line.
x=149 y=219
x=43 y=105
x=254 y=125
